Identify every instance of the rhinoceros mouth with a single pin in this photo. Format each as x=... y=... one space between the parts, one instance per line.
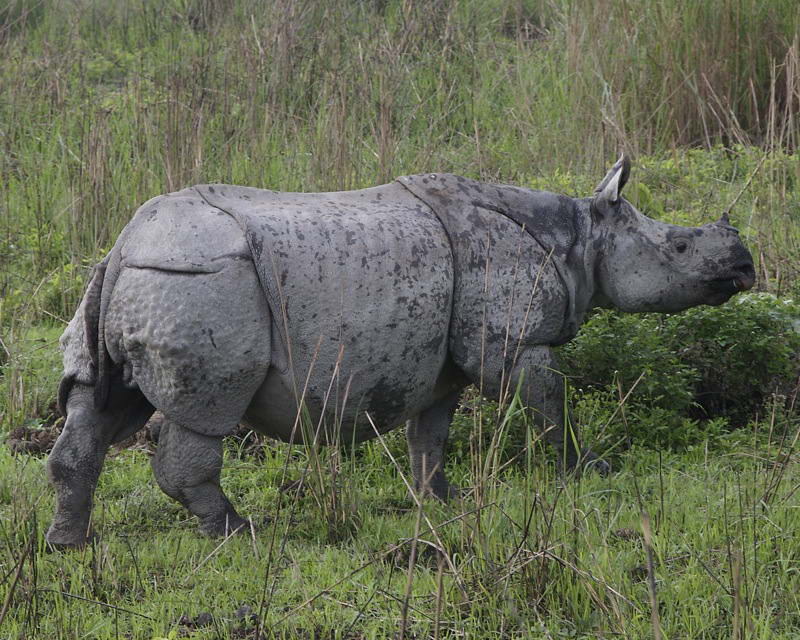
x=741 y=278
x=727 y=285
x=721 y=290
x=732 y=284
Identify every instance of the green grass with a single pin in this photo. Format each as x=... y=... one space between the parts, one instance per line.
x=539 y=559
x=106 y=104
x=29 y=376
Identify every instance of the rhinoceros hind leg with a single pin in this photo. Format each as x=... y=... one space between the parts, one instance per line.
x=77 y=458
x=187 y=467
x=427 y=437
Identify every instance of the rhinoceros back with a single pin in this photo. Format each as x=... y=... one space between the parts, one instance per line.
x=181 y=232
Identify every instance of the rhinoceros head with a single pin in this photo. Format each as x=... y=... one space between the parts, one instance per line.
x=647 y=265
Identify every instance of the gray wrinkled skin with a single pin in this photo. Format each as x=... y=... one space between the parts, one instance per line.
x=220 y=304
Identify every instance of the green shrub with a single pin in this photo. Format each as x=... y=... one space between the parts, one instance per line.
x=614 y=350
x=698 y=371
x=744 y=351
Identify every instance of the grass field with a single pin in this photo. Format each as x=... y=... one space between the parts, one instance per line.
x=106 y=104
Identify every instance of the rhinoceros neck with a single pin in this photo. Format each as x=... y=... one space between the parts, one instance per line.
x=560 y=225
x=579 y=265
x=595 y=246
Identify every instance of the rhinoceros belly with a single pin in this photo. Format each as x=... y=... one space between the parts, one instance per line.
x=355 y=414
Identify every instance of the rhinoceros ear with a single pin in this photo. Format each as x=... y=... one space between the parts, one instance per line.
x=607 y=192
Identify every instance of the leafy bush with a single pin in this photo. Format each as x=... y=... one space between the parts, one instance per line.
x=697 y=371
x=744 y=351
x=613 y=349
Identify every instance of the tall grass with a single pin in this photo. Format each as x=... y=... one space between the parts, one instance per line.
x=103 y=105
x=691 y=545
x=663 y=74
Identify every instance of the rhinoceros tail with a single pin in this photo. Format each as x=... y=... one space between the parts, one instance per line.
x=91 y=310
x=64 y=388
x=79 y=342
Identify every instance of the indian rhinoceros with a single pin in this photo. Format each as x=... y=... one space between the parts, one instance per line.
x=220 y=304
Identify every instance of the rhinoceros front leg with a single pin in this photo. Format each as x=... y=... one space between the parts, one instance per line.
x=187 y=467
x=427 y=437
x=542 y=390
x=77 y=458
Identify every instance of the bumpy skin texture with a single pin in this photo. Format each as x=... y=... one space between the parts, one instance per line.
x=220 y=304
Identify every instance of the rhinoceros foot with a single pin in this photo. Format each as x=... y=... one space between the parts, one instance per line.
x=454 y=493
x=64 y=538
x=229 y=525
x=592 y=462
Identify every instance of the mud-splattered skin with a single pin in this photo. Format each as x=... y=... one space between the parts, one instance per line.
x=219 y=304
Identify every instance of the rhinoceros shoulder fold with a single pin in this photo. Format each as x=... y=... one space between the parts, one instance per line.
x=557 y=223
x=180 y=232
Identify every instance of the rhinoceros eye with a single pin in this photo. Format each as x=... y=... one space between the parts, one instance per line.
x=682 y=246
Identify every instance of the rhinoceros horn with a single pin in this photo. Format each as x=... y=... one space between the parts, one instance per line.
x=724 y=220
